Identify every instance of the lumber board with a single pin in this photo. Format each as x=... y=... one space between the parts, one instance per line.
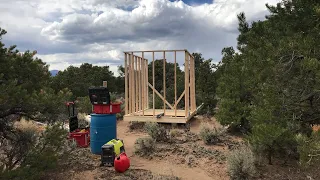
x=164 y=81
x=126 y=84
x=153 y=84
x=175 y=83
x=167 y=50
x=163 y=119
x=165 y=101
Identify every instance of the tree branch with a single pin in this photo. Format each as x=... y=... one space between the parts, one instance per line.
x=14 y=110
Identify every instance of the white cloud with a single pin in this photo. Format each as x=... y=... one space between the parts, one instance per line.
x=69 y=32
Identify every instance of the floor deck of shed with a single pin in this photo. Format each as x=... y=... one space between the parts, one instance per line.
x=168 y=117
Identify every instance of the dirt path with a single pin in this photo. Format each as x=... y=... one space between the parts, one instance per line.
x=163 y=167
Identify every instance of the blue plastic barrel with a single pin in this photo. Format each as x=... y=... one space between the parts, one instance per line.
x=103 y=128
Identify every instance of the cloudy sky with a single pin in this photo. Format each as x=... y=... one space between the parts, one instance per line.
x=71 y=32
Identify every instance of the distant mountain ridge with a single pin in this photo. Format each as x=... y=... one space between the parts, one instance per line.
x=54 y=72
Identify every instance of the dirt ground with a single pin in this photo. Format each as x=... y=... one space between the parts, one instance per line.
x=186 y=158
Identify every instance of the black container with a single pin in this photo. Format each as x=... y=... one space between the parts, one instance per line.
x=73 y=119
x=73 y=123
x=99 y=95
x=107 y=155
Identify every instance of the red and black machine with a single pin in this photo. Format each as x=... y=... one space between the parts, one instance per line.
x=79 y=134
x=101 y=100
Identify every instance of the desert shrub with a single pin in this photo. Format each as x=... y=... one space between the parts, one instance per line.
x=50 y=149
x=144 y=146
x=241 y=164
x=174 y=133
x=15 y=148
x=309 y=148
x=157 y=132
x=190 y=160
x=211 y=135
x=134 y=125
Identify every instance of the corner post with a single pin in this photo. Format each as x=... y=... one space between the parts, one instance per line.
x=126 y=83
x=186 y=72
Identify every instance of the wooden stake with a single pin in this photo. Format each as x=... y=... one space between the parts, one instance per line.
x=126 y=83
x=105 y=83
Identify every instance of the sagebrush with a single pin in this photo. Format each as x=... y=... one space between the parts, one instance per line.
x=211 y=135
x=241 y=164
x=156 y=131
x=144 y=146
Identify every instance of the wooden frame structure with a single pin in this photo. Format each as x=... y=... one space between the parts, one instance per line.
x=137 y=89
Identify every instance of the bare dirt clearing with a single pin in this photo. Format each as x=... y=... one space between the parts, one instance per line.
x=184 y=157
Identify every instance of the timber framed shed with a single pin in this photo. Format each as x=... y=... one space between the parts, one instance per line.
x=138 y=89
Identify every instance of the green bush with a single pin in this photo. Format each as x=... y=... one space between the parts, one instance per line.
x=211 y=135
x=144 y=146
x=270 y=140
x=50 y=150
x=84 y=105
x=157 y=132
x=241 y=164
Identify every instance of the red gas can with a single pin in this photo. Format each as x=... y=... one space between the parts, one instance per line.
x=121 y=163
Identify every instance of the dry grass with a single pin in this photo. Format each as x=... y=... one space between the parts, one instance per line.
x=28 y=125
